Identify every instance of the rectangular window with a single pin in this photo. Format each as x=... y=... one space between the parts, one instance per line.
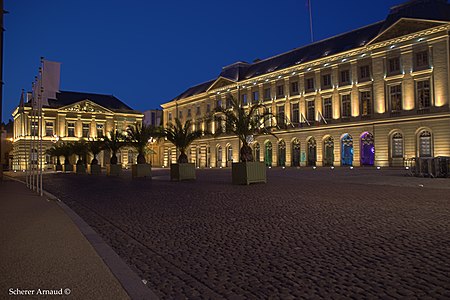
x=344 y=77
x=208 y=108
x=189 y=113
x=170 y=116
x=180 y=114
x=34 y=128
x=49 y=128
x=309 y=84
x=85 y=130
x=346 y=106
x=364 y=73
x=198 y=112
x=267 y=94
x=218 y=101
x=280 y=90
x=280 y=116
x=255 y=96
x=229 y=101
x=71 y=129
x=295 y=113
x=294 y=88
x=423 y=94
x=311 y=111
x=244 y=99
x=394 y=66
x=366 y=103
x=100 y=131
x=395 y=96
x=421 y=60
x=327 y=108
x=326 y=81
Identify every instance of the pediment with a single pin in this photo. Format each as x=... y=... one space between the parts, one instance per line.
x=220 y=83
x=404 y=27
x=86 y=106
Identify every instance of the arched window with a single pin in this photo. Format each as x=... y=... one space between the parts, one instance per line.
x=328 y=151
x=367 y=149
x=397 y=145
x=219 y=156
x=229 y=156
x=425 y=144
x=296 y=153
x=312 y=152
x=347 y=150
x=281 y=153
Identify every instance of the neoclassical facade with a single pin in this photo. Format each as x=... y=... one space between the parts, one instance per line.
x=375 y=96
x=69 y=117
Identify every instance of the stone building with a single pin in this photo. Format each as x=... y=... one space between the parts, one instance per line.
x=375 y=96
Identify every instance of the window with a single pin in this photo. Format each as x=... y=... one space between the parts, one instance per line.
x=244 y=99
x=180 y=114
x=425 y=144
x=326 y=81
x=71 y=129
x=327 y=108
x=218 y=101
x=423 y=94
x=364 y=73
x=346 y=106
x=267 y=93
x=395 y=95
x=170 y=116
x=255 y=96
x=310 y=112
x=208 y=108
x=345 y=77
x=366 y=103
x=394 y=66
x=280 y=116
x=198 y=112
x=34 y=128
x=280 y=90
x=295 y=113
x=229 y=101
x=85 y=130
x=49 y=128
x=100 y=130
x=189 y=113
x=309 y=84
x=397 y=145
x=294 y=88
x=421 y=60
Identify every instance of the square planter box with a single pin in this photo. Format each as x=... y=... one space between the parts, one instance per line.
x=141 y=170
x=94 y=169
x=113 y=170
x=81 y=169
x=68 y=168
x=180 y=172
x=58 y=168
x=248 y=172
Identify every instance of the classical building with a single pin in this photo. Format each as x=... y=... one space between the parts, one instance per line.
x=69 y=117
x=374 y=96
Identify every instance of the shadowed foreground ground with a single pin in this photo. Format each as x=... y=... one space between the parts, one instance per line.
x=323 y=233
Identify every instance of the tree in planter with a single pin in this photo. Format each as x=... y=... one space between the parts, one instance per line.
x=181 y=136
x=80 y=148
x=138 y=138
x=95 y=147
x=56 y=151
x=245 y=123
x=114 y=142
x=67 y=151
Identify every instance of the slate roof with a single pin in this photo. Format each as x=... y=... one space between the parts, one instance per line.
x=418 y=9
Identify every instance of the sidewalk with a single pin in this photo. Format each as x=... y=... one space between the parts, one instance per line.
x=42 y=248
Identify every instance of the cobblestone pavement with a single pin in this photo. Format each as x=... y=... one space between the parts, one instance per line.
x=361 y=233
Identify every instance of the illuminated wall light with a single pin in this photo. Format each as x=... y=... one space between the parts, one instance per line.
x=293 y=73
x=326 y=65
x=228 y=90
x=420 y=39
x=266 y=80
x=362 y=55
x=392 y=47
x=254 y=83
x=309 y=69
x=344 y=60
x=279 y=76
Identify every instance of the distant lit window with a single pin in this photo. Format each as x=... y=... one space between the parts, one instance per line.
x=366 y=103
x=244 y=99
x=346 y=106
x=421 y=60
x=34 y=128
x=267 y=94
x=71 y=129
x=423 y=94
x=310 y=111
x=344 y=77
x=425 y=144
x=395 y=95
x=294 y=88
x=280 y=90
x=85 y=130
x=49 y=129
x=327 y=108
x=295 y=118
x=255 y=96
x=397 y=145
x=309 y=84
x=280 y=116
x=394 y=65
x=218 y=101
x=100 y=130
x=326 y=81
x=364 y=73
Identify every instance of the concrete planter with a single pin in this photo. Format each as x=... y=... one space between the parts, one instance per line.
x=68 y=168
x=58 y=168
x=94 y=169
x=180 y=172
x=141 y=170
x=113 y=170
x=80 y=169
x=248 y=172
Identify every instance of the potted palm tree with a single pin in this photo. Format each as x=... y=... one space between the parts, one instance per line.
x=80 y=149
x=246 y=124
x=138 y=137
x=181 y=136
x=113 y=142
x=56 y=151
x=67 y=151
x=95 y=147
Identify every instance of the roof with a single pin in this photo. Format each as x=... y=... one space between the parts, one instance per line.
x=419 y=9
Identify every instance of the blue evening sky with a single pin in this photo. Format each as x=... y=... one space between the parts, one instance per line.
x=147 y=52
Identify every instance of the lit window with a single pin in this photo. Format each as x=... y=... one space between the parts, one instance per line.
x=243 y=99
x=395 y=95
x=309 y=84
x=34 y=128
x=366 y=103
x=346 y=106
x=85 y=130
x=423 y=94
x=310 y=112
x=425 y=144
x=345 y=77
x=421 y=60
x=327 y=108
x=294 y=88
x=71 y=129
x=280 y=91
x=326 y=81
x=49 y=128
x=100 y=131
x=394 y=65
x=295 y=113
x=255 y=96
x=364 y=73
x=267 y=93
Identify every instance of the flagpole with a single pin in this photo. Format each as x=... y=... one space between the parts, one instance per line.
x=41 y=130
x=310 y=21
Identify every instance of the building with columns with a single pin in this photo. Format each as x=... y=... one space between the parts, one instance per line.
x=374 y=96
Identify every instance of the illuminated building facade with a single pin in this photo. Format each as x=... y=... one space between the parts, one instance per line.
x=374 y=96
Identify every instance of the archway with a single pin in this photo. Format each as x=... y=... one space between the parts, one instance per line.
x=312 y=152
x=296 y=153
x=229 y=156
x=282 y=153
x=367 y=149
x=328 y=151
x=256 y=152
x=268 y=154
x=219 y=156
x=347 y=150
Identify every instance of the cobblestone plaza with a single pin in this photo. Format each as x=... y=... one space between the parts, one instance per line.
x=361 y=233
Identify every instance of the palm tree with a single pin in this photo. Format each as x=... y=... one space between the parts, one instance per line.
x=56 y=151
x=67 y=151
x=181 y=136
x=95 y=147
x=245 y=124
x=80 y=148
x=114 y=142
x=139 y=136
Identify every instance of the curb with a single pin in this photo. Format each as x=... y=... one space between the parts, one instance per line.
x=129 y=280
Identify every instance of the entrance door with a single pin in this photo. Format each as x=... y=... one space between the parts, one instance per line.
x=328 y=155
x=219 y=157
x=347 y=150
x=257 y=152
x=281 y=154
x=367 y=149
x=312 y=152
x=268 y=154
x=296 y=153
